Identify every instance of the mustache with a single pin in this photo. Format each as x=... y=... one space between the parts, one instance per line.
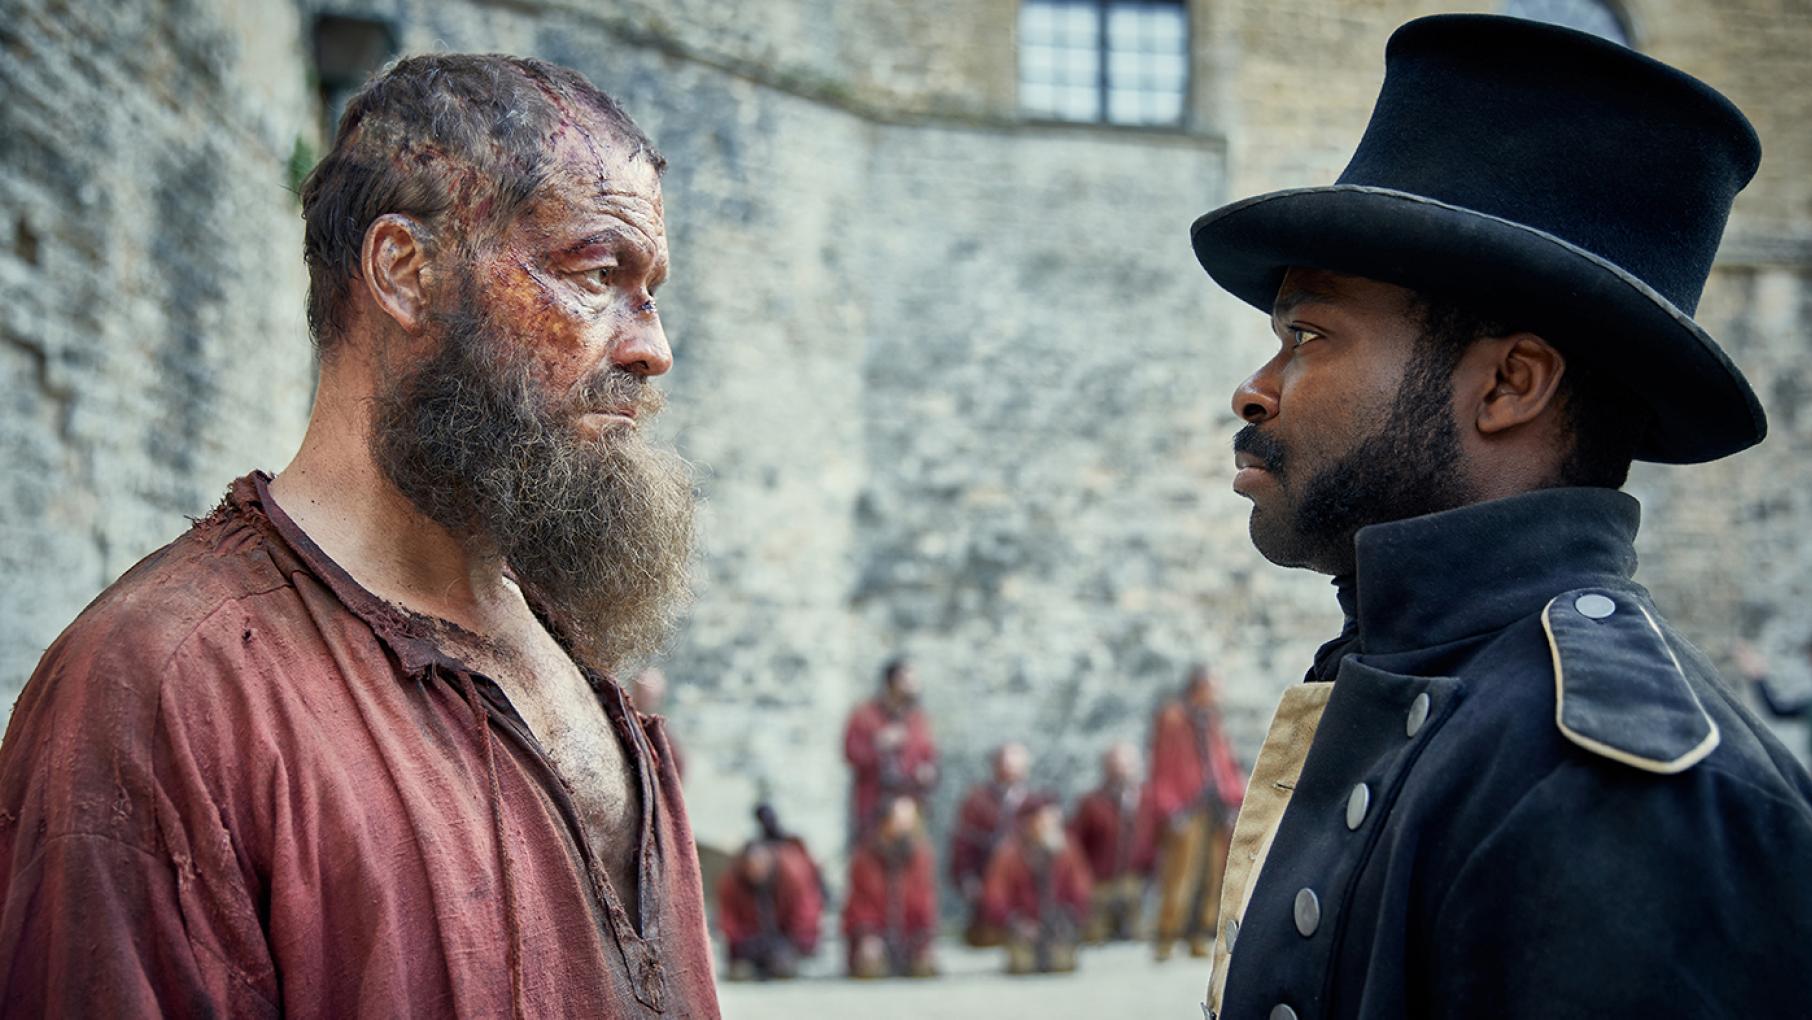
x=617 y=391
x=1262 y=445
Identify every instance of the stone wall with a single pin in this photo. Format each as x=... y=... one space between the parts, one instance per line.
x=150 y=342
x=957 y=386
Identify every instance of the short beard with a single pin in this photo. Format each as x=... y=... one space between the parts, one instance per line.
x=1409 y=466
x=597 y=531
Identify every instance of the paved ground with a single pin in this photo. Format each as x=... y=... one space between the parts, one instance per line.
x=1114 y=982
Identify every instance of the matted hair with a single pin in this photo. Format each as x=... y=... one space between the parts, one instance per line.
x=432 y=133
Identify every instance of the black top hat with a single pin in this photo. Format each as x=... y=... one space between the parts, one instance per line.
x=1554 y=176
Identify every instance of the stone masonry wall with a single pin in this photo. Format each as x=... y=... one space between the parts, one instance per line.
x=150 y=345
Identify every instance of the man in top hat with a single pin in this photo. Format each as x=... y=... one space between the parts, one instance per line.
x=1508 y=787
x=1103 y=826
x=888 y=745
x=1186 y=814
x=1037 y=890
x=984 y=818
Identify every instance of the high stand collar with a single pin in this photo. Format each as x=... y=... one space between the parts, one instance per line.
x=1427 y=581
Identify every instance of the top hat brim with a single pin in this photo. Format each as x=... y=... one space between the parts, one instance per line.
x=1702 y=406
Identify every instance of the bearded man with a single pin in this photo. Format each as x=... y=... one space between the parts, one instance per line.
x=351 y=745
x=1509 y=787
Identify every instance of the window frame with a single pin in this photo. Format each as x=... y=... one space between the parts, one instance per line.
x=1620 y=16
x=1103 y=83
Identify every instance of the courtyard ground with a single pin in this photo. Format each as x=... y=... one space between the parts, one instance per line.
x=1114 y=982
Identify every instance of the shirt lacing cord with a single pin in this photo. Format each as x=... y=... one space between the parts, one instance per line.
x=481 y=728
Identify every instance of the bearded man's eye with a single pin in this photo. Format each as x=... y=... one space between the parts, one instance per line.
x=597 y=279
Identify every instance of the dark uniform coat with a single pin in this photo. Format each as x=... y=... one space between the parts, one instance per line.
x=1529 y=796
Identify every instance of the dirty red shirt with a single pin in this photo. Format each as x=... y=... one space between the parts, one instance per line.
x=908 y=769
x=792 y=904
x=1191 y=761
x=1103 y=830
x=892 y=893
x=1192 y=768
x=1024 y=881
x=984 y=818
x=239 y=784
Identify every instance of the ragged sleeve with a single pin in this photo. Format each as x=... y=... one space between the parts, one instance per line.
x=122 y=892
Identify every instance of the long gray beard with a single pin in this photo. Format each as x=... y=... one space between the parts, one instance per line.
x=599 y=532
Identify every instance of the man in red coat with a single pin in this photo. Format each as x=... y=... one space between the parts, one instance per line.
x=888 y=744
x=1037 y=890
x=982 y=822
x=890 y=914
x=1103 y=828
x=770 y=901
x=1186 y=815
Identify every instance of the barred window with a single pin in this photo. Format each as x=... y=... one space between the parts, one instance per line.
x=1594 y=16
x=1118 y=61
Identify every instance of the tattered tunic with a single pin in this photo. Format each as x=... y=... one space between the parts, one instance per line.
x=240 y=784
x=892 y=894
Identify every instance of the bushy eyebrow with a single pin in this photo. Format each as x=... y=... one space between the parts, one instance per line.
x=609 y=237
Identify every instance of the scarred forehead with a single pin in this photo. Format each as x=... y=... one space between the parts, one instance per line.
x=599 y=184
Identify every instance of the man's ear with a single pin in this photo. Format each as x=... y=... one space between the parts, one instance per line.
x=394 y=263
x=1517 y=377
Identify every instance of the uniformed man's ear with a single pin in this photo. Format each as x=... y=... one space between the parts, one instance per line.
x=394 y=264
x=1518 y=376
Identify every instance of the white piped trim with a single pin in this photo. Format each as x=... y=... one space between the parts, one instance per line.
x=1599 y=747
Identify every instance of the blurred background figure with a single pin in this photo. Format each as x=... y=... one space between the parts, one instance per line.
x=1756 y=669
x=1037 y=890
x=983 y=820
x=788 y=843
x=890 y=912
x=889 y=748
x=1103 y=827
x=649 y=695
x=770 y=902
x=1186 y=818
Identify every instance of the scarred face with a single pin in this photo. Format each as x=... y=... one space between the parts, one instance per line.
x=573 y=278
x=1343 y=429
x=522 y=426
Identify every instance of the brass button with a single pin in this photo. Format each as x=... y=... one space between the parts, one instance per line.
x=1282 y=1012
x=1357 y=803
